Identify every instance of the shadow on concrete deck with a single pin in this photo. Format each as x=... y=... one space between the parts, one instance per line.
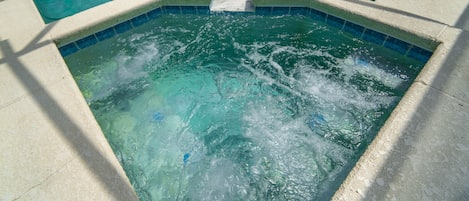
x=104 y=171
x=426 y=161
x=373 y=5
x=463 y=22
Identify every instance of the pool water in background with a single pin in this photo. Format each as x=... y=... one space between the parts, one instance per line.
x=52 y=10
x=239 y=107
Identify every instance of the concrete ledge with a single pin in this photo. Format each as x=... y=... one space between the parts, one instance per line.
x=448 y=71
x=282 y=3
x=106 y=15
x=109 y=14
x=373 y=160
x=99 y=18
x=52 y=147
x=415 y=31
x=422 y=33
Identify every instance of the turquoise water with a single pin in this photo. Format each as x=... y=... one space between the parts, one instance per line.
x=239 y=107
x=52 y=10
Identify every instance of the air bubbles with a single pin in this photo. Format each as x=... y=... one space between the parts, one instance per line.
x=262 y=108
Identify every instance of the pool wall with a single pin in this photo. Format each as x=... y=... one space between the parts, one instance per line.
x=383 y=25
x=129 y=24
x=69 y=30
x=358 y=31
x=104 y=16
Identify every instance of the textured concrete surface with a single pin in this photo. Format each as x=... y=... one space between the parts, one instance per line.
x=451 y=13
x=51 y=147
x=422 y=152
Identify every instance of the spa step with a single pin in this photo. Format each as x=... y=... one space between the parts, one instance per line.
x=231 y=6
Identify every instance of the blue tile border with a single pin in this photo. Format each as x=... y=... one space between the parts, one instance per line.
x=68 y=49
x=123 y=27
x=86 y=41
x=397 y=45
x=318 y=15
x=191 y=10
x=356 y=30
x=156 y=13
x=139 y=20
x=299 y=11
x=263 y=10
x=419 y=54
x=335 y=21
x=374 y=36
x=105 y=34
x=202 y=10
x=172 y=9
x=280 y=10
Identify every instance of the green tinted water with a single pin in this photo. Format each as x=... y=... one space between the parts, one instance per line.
x=239 y=107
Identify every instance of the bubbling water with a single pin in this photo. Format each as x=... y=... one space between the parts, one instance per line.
x=239 y=107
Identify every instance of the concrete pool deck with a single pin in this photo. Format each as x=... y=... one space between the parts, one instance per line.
x=51 y=147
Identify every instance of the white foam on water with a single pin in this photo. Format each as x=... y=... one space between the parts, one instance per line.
x=119 y=71
x=353 y=65
x=260 y=75
x=314 y=82
x=221 y=179
x=339 y=94
x=263 y=125
x=345 y=107
x=252 y=52
x=98 y=83
x=298 y=160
